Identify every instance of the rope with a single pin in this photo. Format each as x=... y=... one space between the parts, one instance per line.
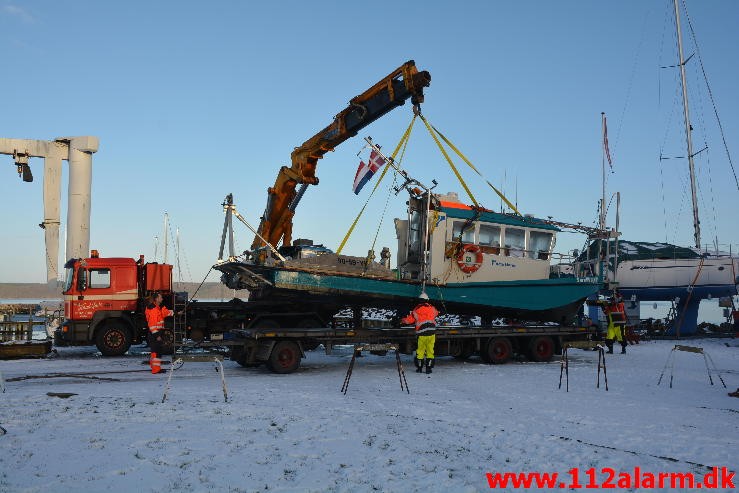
x=403 y=139
x=201 y=284
x=449 y=160
x=710 y=94
x=690 y=294
x=389 y=194
x=472 y=166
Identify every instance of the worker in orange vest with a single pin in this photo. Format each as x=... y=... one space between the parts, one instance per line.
x=155 y=315
x=424 y=317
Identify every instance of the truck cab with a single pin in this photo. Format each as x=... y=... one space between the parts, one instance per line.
x=104 y=301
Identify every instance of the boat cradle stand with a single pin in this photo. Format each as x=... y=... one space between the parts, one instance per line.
x=197 y=358
x=689 y=349
x=358 y=348
x=565 y=362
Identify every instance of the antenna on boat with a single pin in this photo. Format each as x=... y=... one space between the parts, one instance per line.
x=408 y=181
x=688 y=136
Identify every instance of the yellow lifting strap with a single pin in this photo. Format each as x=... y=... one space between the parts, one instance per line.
x=469 y=163
x=451 y=163
x=403 y=142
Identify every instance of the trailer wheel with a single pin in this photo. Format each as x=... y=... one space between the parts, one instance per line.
x=541 y=348
x=499 y=350
x=285 y=357
x=167 y=344
x=242 y=358
x=113 y=338
x=461 y=349
x=197 y=334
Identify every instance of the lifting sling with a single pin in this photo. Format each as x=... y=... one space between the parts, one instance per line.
x=403 y=142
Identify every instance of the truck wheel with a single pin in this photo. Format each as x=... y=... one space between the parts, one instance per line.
x=541 y=348
x=285 y=357
x=113 y=338
x=499 y=350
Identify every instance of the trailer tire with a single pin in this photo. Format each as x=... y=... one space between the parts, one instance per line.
x=461 y=349
x=113 y=338
x=243 y=360
x=499 y=350
x=197 y=334
x=541 y=348
x=167 y=344
x=285 y=357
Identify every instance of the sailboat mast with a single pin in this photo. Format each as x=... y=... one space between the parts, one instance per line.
x=688 y=137
x=602 y=219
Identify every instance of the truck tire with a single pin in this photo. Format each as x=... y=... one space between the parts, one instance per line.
x=285 y=357
x=499 y=350
x=113 y=338
x=541 y=348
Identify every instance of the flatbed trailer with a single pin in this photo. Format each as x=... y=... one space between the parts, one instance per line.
x=283 y=348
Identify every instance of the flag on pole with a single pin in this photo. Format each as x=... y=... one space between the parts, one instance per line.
x=366 y=171
x=605 y=142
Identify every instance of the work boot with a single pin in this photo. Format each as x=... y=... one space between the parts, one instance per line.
x=429 y=365
x=419 y=364
x=609 y=345
x=623 y=348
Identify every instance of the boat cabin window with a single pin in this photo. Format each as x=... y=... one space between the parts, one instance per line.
x=515 y=241
x=489 y=235
x=540 y=244
x=99 y=278
x=468 y=236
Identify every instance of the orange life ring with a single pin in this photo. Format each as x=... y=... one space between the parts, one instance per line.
x=469 y=259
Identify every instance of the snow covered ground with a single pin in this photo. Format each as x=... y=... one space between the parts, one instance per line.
x=299 y=433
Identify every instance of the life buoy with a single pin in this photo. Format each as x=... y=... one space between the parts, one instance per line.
x=469 y=259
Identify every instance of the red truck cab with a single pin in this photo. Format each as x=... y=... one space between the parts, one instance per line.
x=104 y=301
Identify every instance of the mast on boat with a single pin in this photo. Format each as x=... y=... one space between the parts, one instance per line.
x=688 y=137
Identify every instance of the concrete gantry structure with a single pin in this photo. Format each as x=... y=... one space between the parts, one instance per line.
x=77 y=151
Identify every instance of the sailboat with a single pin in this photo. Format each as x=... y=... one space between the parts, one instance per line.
x=650 y=271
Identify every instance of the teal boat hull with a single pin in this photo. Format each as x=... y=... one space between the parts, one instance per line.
x=557 y=300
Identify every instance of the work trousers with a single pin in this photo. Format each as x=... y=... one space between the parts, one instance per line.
x=426 y=346
x=156 y=346
x=615 y=332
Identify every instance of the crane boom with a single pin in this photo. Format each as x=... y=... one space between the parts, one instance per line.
x=392 y=91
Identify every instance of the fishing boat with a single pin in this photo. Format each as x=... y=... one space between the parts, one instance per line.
x=469 y=260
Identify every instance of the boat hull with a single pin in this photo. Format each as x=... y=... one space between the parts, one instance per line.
x=556 y=300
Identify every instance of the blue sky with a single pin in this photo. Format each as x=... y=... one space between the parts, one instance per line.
x=194 y=100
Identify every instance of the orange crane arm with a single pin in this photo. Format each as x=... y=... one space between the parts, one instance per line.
x=282 y=199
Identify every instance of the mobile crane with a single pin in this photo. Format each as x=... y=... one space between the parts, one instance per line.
x=283 y=198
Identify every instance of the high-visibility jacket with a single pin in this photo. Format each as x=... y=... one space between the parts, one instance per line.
x=423 y=316
x=155 y=317
x=616 y=313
